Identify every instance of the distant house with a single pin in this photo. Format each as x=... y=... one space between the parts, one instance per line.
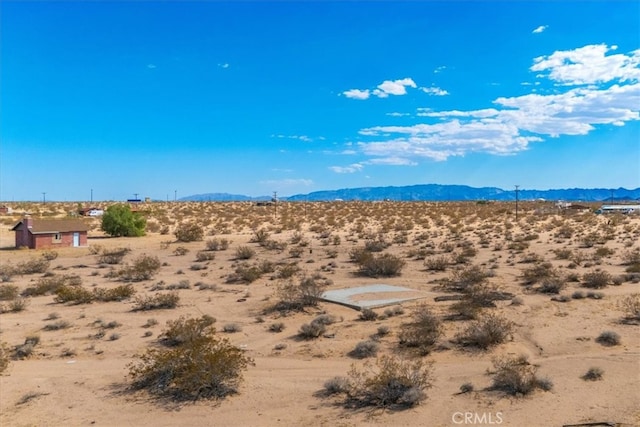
x=50 y=233
x=623 y=209
x=5 y=210
x=91 y=212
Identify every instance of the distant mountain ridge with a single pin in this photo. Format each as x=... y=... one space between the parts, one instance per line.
x=437 y=192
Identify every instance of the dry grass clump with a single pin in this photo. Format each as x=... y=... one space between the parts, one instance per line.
x=245 y=273
x=422 y=332
x=596 y=279
x=437 y=263
x=202 y=256
x=32 y=266
x=383 y=265
x=296 y=297
x=391 y=383
x=80 y=295
x=516 y=376
x=112 y=256
x=464 y=278
x=26 y=349
x=57 y=325
x=216 y=244
x=244 y=253
x=630 y=305
x=608 y=338
x=50 y=284
x=156 y=302
x=4 y=357
x=364 y=349
x=313 y=330
x=8 y=292
x=200 y=366
x=180 y=251
x=486 y=332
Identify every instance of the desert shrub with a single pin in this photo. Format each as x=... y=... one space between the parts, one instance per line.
x=119 y=221
x=488 y=331
x=4 y=357
x=245 y=273
x=231 y=328
x=8 y=292
x=216 y=244
x=75 y=294
x=309 y=331
x=466 y=388
x=142 y=268
x=203 y=366
x=551 y=285
x=466 y=277
x=422 y=332
x=577 y=295
x=26 y=349
x=49 y=255
x=185 y=329
x=113 y=256
x=376 y=245
x=631 y=257
x=157 y=301
x=336 y=385
x=383 y=331
x=286 y=271
x=33 y=266
x=188 y=232
x=296 y=252
x=15 y=306
x=260 y=236
x=7 y=271
x=119 y=293
x=276 y=327
x=630 y=305
x=364 y=349
x=275 y=245
x=475 y=298
x=439 y=263
x=538 y=272
x=596 y=279
x=306 y=293
x=593 y=374
x=367 y=315
x=49 y=285
x=326 y=319
x=516 y=376
x=360 y=255
x=244 y=252
x=595 y=295
x=395 y=383
x=608 y=338
x=205 y=256
x=60 y=324
x=180 y=251
x=384 y=265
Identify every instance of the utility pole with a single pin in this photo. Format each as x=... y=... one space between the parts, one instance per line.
x=275 y=205
x=517 y=187
x=175 y=195
x=44 y=200
x=612 y=196
x=92 y=195
x=135 y=196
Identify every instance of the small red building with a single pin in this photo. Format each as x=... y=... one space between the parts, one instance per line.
x=50 y=233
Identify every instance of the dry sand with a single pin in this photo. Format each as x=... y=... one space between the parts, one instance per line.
x=283 y=387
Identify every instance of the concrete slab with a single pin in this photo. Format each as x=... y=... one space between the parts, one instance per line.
x=372 y=296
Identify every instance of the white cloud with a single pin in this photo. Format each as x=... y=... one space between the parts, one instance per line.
x=383 y=90
x=151 y=66
x=606 y=92
x=357 y=94
x=540 y=29
x=396 y=114
x=352 y=168
x=303 y=138
x=436 y=91
x=439 y=69
x=225 y=65
x=589 y=65
x=392 y=161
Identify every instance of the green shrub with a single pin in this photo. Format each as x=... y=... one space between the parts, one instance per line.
x=422 y=332
x=515 y=376
x=75 y=294
x=119 y=293
x=189 y=232
x=119 y=221
x=185 y=330
x=201 y=367
x=157 y=301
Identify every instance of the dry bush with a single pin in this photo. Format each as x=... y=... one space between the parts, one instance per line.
x=422 y=332
x=201 y=366
x=25 y=350
x=516 y=376
x=15 y=306
x=313 y=330
x=463 y=279
x=260 y=236
x=384 y=265
x=55 y=326
x=296 y=297
x=180 y=251
x=8 y=292
x=630 y=305
x=245 y=273
x=593 y=374
x=156 y=302
x=365 y=349
x=608 y=338
x=244 y=252
x=596 y=279
x=75 y=294
x=142 y=268
x=216 y=244
x=7 y=271
x=185 y=329
x=439 y=263
x=486 y=332
x=49 y=285
x=188 y=232
x=393 y=382
x=4 y=357
x=276 y=327
x=32 y=266
x=202 y=256
x=49 y=255
x=538 y=272
x=112 y=256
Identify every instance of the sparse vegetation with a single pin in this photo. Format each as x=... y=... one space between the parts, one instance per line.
x=486 y=332
x=422 y=332
x=608 y=338
x=156 y=301
x=516 y=376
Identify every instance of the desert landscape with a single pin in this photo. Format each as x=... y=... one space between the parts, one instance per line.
x=527 y=320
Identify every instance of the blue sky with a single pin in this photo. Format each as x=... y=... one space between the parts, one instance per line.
x=151 y=98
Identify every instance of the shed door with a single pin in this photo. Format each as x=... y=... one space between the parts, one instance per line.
x=76 y=239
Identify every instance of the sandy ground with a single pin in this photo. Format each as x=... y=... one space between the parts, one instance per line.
x=75 y=379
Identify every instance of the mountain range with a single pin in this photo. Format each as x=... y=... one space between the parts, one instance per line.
x=437 y=192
